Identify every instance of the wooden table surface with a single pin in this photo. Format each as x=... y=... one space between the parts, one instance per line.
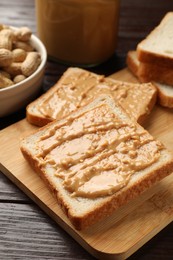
x=25 y=231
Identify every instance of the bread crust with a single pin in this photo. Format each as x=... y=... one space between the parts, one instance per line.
x=109 y=204
x=164 y=99
x=143 y=117
x=153 y=72
x=32 y=116
x=121 y=198
x=36 y=118
x=132 y=62
x=146 y=55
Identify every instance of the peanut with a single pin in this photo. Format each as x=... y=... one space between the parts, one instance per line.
x=23 y=45
x=23 y=34
x=18 y=58
x=5 y=57
x=14 y=68
x=5 y=82
x=7 y=32
x=5 y=74
x=31 y=63
x=19 y=55
x=5 y=40
x=18 y=78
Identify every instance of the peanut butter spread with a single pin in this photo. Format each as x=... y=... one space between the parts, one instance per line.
x=96 y=153
x=68 y=97
x=78 y=88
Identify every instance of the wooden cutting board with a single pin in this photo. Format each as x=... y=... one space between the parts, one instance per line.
x=125 y=231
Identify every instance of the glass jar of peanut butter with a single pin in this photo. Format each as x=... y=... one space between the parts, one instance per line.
x=78 y=32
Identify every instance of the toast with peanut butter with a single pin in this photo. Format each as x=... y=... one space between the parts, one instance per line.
x=77 y=87
x=96 y=160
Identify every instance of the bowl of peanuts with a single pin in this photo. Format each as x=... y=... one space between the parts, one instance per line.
x=22 y=64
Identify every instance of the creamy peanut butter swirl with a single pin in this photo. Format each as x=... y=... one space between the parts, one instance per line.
x=96 y=153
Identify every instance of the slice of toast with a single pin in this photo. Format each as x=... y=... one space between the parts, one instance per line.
x=164 y=92
x=77 y=87
x=128 y=96
x=157 y=47
x=96 y=160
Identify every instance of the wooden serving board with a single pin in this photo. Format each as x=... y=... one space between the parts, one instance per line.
x=125 y=231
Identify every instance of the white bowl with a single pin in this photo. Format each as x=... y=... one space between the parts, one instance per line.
x=19 y=95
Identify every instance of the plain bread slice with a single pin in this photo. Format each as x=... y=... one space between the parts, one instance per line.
x=157 y=47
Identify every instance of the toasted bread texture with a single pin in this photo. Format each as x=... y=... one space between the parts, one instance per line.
x=164 y=92
x=157 y=47
x=77 y=87
x=96 y=160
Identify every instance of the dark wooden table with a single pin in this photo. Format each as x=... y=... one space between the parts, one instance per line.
x=25 y=231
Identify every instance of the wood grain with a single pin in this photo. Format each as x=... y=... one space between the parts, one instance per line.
x=123 y=232
x=44 y=240
x=136 y=20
